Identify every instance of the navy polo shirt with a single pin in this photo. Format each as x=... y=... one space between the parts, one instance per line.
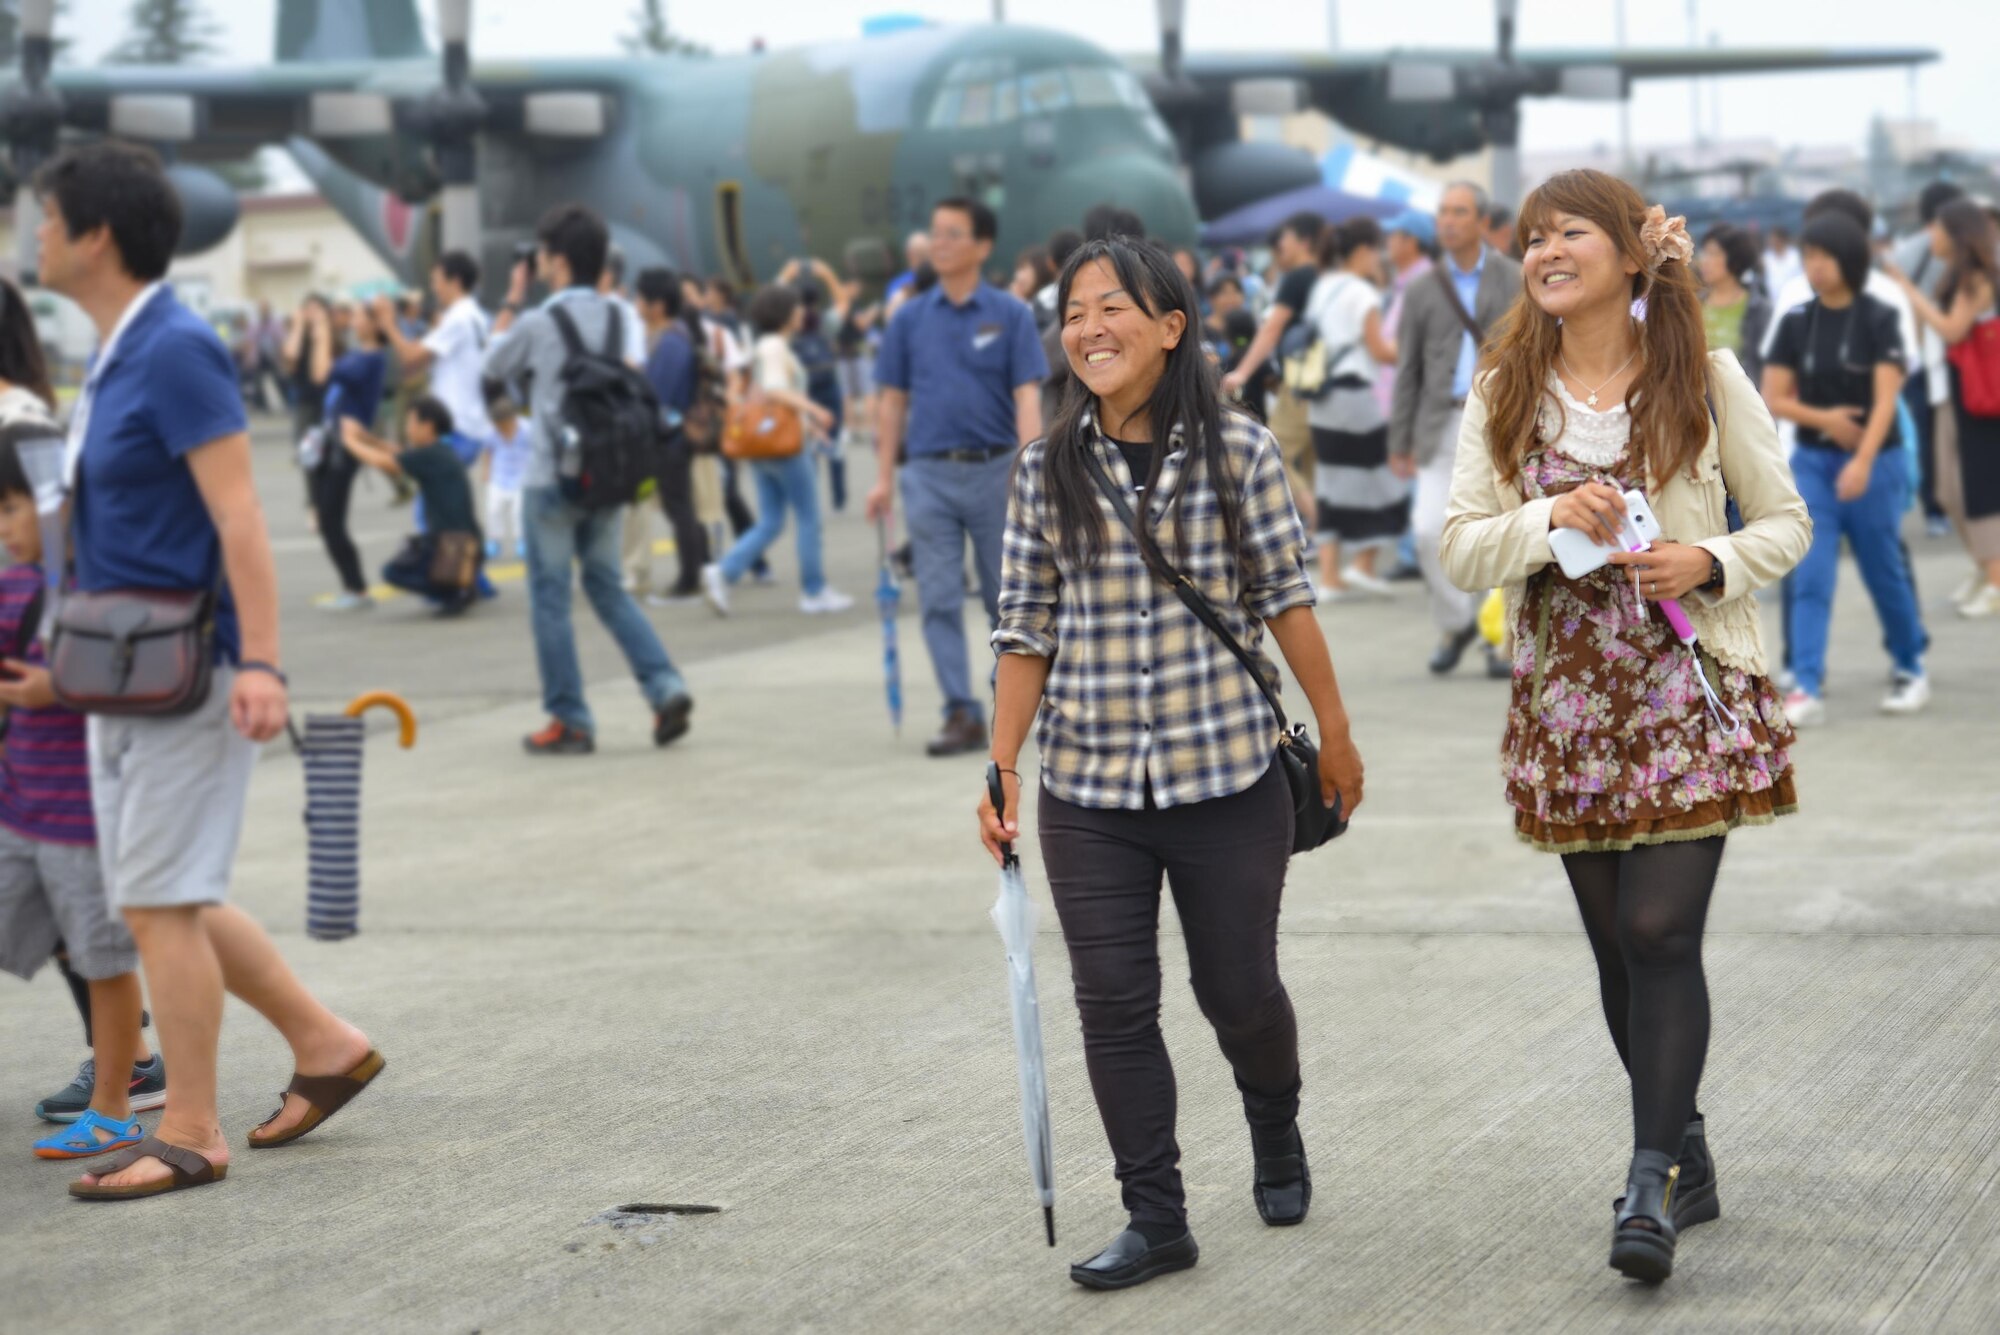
x=138 y=519
x=960 y=365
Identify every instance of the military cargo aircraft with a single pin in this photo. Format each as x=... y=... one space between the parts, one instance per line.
x=734 y=164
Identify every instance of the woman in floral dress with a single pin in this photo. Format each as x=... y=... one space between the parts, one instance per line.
x=1629 y=754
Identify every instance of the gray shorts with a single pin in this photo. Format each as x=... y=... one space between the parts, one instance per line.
x=169 y=796
x=55 y=892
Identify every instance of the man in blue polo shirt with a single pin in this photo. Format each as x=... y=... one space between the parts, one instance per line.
x=961 y=368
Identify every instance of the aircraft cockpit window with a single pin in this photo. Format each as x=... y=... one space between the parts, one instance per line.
x=975 y=108
x=944 y=111
x=1006 y=102
x=1094 y=87
x=1043 y=92
x=1130 y=90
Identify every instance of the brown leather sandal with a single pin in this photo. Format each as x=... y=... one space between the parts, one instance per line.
x=189 y=1169
x=325 y=1095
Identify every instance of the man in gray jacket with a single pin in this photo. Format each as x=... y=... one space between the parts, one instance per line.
x=1470 y=289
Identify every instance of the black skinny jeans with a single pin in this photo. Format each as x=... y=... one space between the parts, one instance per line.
x=331 y=488
x=675 y=483
x=1224 y=861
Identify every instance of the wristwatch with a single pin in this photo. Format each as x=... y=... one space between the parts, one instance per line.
x=1715 y=575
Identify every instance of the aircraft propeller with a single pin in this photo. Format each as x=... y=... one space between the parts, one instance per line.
x=1496 y=88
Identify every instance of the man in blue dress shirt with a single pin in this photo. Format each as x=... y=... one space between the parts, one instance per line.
x=960 y=376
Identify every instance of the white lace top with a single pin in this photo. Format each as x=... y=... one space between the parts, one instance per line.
x=1597 y=437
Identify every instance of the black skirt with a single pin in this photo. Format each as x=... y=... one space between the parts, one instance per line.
x=1360 y=498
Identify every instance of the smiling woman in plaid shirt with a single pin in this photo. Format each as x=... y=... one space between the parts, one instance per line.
x=1156 y=745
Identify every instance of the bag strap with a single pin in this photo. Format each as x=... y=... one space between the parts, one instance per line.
x=1450 y=287
x=1184 y=589
x=614 y=338
x=566 y=326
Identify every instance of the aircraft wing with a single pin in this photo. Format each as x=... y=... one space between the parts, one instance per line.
x=1328 y=74
x=210 y=114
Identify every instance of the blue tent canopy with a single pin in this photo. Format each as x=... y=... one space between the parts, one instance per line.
x=1254 y=223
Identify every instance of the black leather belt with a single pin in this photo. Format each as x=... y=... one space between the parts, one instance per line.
x=970 y=456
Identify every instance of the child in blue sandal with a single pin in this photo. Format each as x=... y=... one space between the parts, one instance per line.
x=51 y=886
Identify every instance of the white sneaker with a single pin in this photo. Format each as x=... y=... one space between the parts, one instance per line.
x=1788 y=682
x=1804 y=711
x=348 y=602
x=828 y=599
x=715 y=589
x=1969 y=587
x=1371 y=586
x=1985 y=602
x=1908 y=695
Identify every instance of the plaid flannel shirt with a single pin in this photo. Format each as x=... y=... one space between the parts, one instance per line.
x=1138 y=689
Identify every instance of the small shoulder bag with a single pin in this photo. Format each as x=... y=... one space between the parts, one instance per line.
x=1313 y=821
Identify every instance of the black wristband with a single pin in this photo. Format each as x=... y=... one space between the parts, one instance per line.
x=268 y=669
x=1716 y=575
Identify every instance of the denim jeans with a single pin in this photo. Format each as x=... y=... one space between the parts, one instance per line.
x=1872 y=527
x=782 y=484
x=944 y=503
x=559 y=535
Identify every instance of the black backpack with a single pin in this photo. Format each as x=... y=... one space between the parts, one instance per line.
x=608 y=426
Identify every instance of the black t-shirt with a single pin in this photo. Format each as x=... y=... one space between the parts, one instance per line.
x=1834 y=354
x=1138 y=457
x=1295 y=289
x=446 y=490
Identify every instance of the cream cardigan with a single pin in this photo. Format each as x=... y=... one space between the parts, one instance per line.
x=1494 y=537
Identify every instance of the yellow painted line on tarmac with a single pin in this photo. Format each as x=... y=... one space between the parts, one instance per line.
x=507 y=572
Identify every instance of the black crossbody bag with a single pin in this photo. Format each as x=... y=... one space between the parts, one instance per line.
x=1313 y=821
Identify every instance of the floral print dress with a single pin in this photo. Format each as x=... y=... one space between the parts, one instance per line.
x=1611 y=743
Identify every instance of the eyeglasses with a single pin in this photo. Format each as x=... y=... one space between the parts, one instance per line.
x=950 y=234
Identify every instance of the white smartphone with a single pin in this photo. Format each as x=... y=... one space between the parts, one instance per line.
x=1578 y=553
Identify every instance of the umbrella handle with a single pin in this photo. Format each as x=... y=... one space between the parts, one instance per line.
x=406 y=717
x=996 y=792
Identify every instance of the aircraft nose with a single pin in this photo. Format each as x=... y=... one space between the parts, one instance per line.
x=1147 y=186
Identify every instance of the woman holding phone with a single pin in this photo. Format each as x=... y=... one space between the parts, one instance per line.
x=1614 y=757
x=1156 y=744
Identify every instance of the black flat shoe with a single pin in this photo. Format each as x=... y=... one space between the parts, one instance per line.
x=1283 y=1186
x=1695 y=1201
x=1130 y=1260
x=1642 y=1239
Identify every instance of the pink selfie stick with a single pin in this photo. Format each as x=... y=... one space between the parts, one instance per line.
x=1683 y=628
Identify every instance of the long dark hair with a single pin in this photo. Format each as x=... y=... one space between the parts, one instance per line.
x=1972 y=242
x=1185 y=397
x=22 y=361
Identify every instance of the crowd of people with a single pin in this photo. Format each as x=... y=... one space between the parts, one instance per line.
x=1148 y=456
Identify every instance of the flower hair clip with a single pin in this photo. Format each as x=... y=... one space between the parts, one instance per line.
x=1665 y=238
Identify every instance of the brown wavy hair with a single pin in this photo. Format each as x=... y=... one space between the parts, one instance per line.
x=1668 y=400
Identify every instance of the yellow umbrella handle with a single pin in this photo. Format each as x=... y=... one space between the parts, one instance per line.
x=395 y=704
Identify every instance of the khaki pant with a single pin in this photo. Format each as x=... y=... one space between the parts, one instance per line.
x=1295 y=446
x=708 y=507
x=635 y=546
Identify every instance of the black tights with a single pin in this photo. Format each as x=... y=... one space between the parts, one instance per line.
x=1644 y=911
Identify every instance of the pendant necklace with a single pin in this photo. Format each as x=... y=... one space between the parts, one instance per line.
x=1591 y=401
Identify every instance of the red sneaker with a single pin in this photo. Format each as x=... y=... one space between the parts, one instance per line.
x=559 y=739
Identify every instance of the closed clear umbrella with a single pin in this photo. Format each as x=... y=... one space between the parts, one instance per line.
x=1014 y=914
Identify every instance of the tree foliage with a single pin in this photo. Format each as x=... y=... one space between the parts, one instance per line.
x=166 y=32
x=650 y=34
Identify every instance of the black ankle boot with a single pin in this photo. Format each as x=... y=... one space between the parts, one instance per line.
x=1642 y=1239
x=1282 y=1183
x=1695 y=1201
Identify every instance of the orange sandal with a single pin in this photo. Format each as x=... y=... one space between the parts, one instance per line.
x=190 y=1169
x=325 y=1095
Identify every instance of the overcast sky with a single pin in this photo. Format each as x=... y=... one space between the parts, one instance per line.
x=1813 y=109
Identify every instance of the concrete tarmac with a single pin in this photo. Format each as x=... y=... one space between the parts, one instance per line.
x=755 y=972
